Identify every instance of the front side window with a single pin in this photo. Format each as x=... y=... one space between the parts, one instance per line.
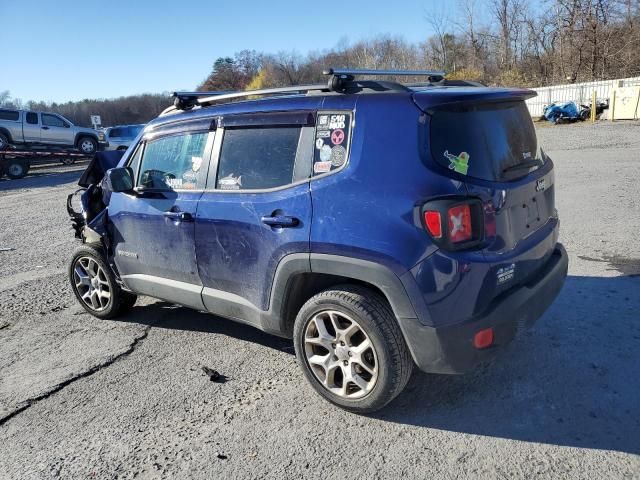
x=52 y=120
x=257 y=158
x=174 y=163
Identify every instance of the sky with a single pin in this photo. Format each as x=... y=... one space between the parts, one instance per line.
x=61 y=50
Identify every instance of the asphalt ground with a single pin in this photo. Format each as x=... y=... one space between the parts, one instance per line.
x=85 y=398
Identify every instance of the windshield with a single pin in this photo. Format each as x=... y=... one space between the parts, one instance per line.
x=487 y=141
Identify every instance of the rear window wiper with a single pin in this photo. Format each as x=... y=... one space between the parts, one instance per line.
x=521 y=166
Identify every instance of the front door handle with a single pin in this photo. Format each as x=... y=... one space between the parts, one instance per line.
x=179 y=216
x=282 y=221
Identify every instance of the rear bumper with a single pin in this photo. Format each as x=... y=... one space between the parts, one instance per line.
x=449 y=349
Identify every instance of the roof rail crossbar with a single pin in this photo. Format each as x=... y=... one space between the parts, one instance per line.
x=350 y=71
x=341 y=78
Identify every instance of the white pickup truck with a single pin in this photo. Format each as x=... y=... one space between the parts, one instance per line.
x=21 y=127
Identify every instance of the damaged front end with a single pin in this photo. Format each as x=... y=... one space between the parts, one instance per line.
x=92 y=207
x=90 y=223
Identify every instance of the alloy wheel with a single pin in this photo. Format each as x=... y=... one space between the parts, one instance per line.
x=86 y=146
x=92 y=283
x=341 y=354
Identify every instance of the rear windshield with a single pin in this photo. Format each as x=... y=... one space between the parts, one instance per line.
x=9 y=115
x=485 y=141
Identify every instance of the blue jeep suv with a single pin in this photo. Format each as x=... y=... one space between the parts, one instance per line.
x=380 y=225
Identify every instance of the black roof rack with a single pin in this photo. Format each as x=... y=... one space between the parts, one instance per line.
x=356 y=71
x=340 y=80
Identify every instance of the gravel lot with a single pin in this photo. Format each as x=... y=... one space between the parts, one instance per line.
x=83 y=398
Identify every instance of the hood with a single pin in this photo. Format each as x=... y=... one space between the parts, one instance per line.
x=86 y=130
x=101 y=162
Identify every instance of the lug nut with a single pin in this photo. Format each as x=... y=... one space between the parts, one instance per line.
x=346 y=363
x=333 y=345
x=350 y=354
x=342 y=344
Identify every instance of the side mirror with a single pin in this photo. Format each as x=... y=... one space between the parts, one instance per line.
x=120 y=179
x=66 y=125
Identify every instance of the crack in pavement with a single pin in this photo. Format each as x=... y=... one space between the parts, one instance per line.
x=56 y=388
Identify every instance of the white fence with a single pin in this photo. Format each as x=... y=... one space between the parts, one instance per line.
x=577 y=92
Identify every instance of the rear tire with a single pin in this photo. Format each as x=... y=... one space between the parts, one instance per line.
x=358 y=360
x=16 y=168
x=94 y=284
x=4 y=141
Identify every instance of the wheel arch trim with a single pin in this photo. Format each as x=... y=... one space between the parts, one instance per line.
x=7 y=134
x=81 y=135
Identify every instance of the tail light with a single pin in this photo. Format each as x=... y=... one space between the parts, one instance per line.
x=483 y=338
x=459 y=220
x=454 y=223
x=434 y=223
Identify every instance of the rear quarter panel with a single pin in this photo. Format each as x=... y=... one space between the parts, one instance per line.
x=368 y=209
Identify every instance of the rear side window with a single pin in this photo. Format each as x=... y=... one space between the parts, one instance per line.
x=257 y=158
x=115 y=132
x=9 y=115
x=52 y=120
x=174 y=163
x=485 y=141
x=32 y=118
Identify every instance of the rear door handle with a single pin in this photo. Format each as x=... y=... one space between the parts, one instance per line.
x=179 y=216
x=282 y=221
x=45 y=128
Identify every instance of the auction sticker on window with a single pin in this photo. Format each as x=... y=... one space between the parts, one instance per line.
x=333 y=133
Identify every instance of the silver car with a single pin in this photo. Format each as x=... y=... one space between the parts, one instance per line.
x=120 y=137
x=27 y=128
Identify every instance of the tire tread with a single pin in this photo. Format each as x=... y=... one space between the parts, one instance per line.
x=359 y=298
x=122 y=300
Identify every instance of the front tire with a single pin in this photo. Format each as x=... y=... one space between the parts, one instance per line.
x=350 y=348
x=87 y=145
x=95 y=286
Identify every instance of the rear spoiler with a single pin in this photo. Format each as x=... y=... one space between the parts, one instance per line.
x=445 y=98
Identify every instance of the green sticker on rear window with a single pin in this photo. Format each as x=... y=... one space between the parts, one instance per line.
x=459 y=163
